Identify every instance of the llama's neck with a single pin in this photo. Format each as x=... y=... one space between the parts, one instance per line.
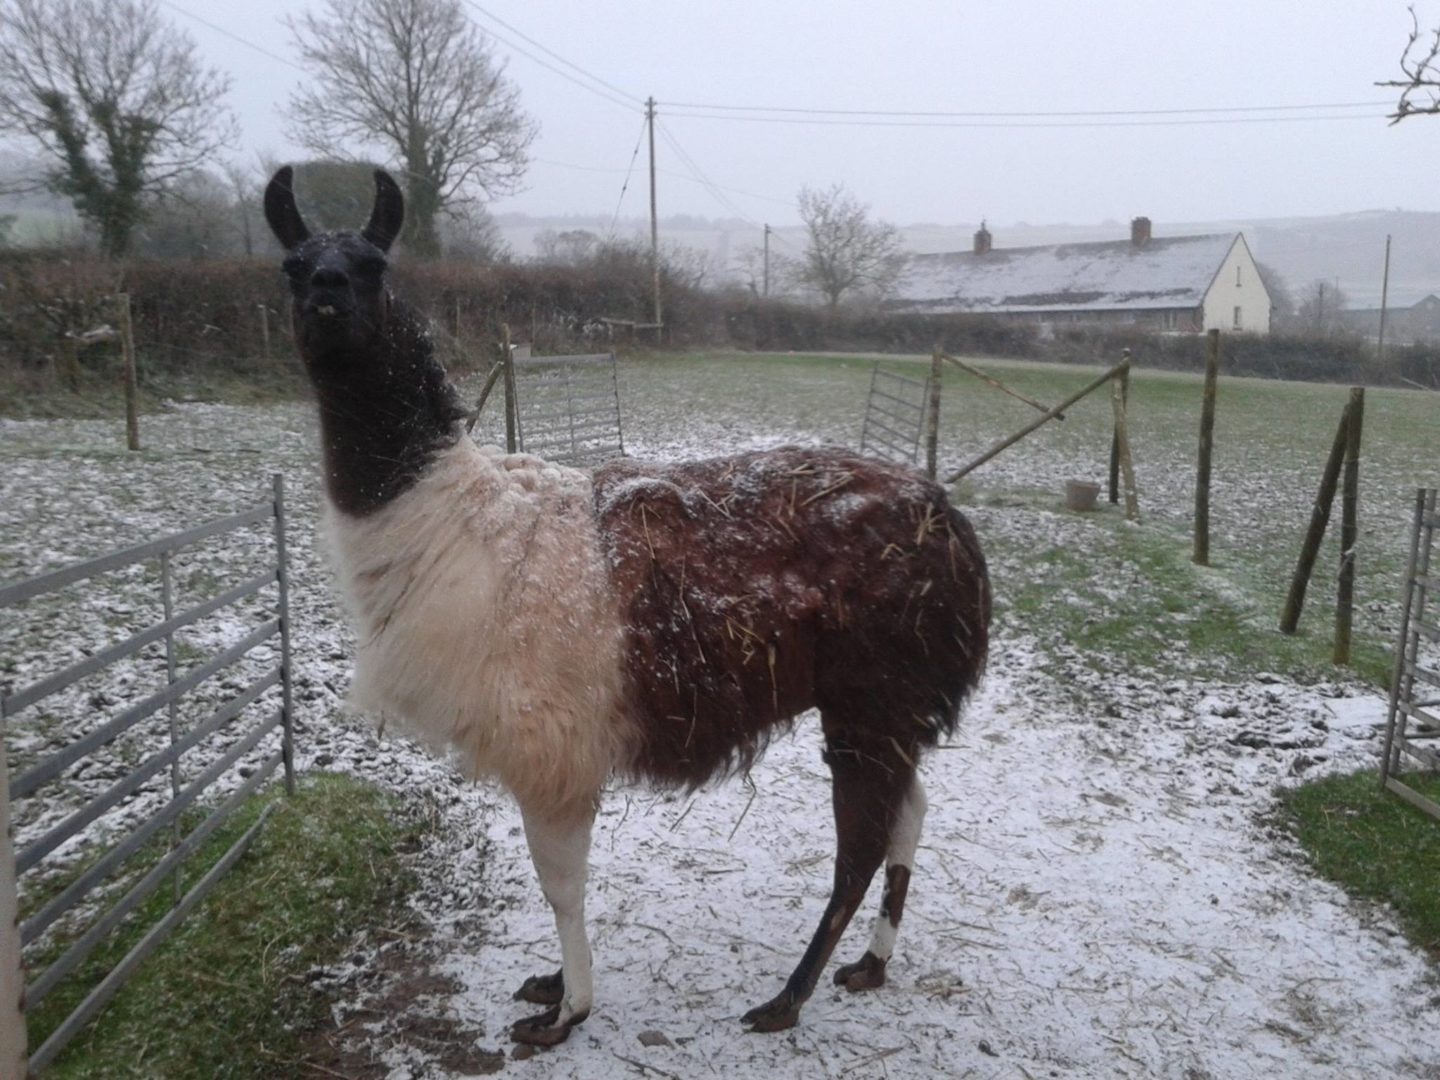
x=385 y=414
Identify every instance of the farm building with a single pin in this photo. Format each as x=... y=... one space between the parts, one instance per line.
x=1420 y=322
x=1178 y=283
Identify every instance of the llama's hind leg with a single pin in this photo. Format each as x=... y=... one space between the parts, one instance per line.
x=560 y=848
x=870 y=778
x=868 y=972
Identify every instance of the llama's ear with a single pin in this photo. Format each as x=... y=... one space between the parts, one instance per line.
x=281 y=211
x=388 y=214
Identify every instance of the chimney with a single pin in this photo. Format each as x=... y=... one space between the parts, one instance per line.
x=1140 y=231
x=982 y=240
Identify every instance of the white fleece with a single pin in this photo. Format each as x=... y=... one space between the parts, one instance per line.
x=486 y=624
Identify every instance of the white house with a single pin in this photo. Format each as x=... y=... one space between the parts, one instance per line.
x=1180 y=283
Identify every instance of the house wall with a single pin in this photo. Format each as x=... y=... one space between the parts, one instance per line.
x=1237 y=284
x=1180 y=320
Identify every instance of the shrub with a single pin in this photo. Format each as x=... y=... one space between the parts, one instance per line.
x=191 y=318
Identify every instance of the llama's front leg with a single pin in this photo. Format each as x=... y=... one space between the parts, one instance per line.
x=560 y=848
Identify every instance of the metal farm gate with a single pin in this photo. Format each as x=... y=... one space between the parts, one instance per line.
x=1412 y=730
x=143 y=746
x=894 y=416
x=568 y=408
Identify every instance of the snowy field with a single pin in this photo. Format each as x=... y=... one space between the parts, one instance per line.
x=1096 y=894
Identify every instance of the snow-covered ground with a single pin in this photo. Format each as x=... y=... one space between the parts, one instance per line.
x=1096 y=893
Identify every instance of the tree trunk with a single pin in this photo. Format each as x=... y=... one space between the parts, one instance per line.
x=422 y=204
x=114 y=237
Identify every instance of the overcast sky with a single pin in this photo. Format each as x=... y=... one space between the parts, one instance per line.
x=1132 y=57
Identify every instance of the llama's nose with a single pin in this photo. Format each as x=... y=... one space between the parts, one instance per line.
x=328 y=277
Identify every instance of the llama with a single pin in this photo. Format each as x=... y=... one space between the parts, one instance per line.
x=553 y=627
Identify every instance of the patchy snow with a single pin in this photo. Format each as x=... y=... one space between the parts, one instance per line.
x=1096 y=893
x=1093 y=897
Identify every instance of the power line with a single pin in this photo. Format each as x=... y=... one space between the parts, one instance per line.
x=581 y=168
x=612 y=170
x=1029 y=114
x=606 y=94
x=1009 y=126
x=710 y=185
x=737 y=191
x=551 y=52
x=233 y=37
x=625 y=186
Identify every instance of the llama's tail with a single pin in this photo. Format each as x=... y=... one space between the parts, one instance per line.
x=968 y=647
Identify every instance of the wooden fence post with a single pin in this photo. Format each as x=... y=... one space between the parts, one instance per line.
x=1319 y=519
x=932 y=416
x=132 y=389
x=1207 y=445
x=1349 y=527
x=512 y=414
x=12 y=972
x=1121 y=444
x=1115 y=436
x=264 y=331
x=68 y=361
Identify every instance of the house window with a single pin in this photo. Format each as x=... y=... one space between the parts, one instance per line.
x=1238 y=324
x=1237 y=277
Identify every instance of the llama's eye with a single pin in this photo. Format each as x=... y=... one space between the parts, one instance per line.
x=372 y=266
x=294 y=266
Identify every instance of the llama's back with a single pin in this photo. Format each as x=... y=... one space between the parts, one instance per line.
x=760 y=585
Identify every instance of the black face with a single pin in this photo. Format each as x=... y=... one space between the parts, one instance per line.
x=337 y=280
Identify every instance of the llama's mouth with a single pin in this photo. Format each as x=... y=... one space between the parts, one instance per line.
x=325 y=310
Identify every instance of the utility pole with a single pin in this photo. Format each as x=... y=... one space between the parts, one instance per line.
x=654 y=221
x=1384 y=302
x=765 y=290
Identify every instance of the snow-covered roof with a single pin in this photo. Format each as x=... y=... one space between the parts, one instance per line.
x=1164 y=272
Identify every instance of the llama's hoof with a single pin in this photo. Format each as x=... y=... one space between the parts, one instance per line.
x=775 y=1015
x=542 y=989
x=867 y=973
x=542 y=1029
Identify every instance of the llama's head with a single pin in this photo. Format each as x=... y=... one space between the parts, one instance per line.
x=337 y=279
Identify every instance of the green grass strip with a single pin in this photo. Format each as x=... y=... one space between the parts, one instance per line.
x=1374 y=844
x=225 y=996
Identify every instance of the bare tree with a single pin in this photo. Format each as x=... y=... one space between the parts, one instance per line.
x=1282 y=300
x=1420 y=68
x=417 y=78
x=117 y=100
x=246 y=191
x=337 y=194
x=472 y=235
x=1321 y=310
x=845 y=250
x=568 y=247
x=193 y=220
